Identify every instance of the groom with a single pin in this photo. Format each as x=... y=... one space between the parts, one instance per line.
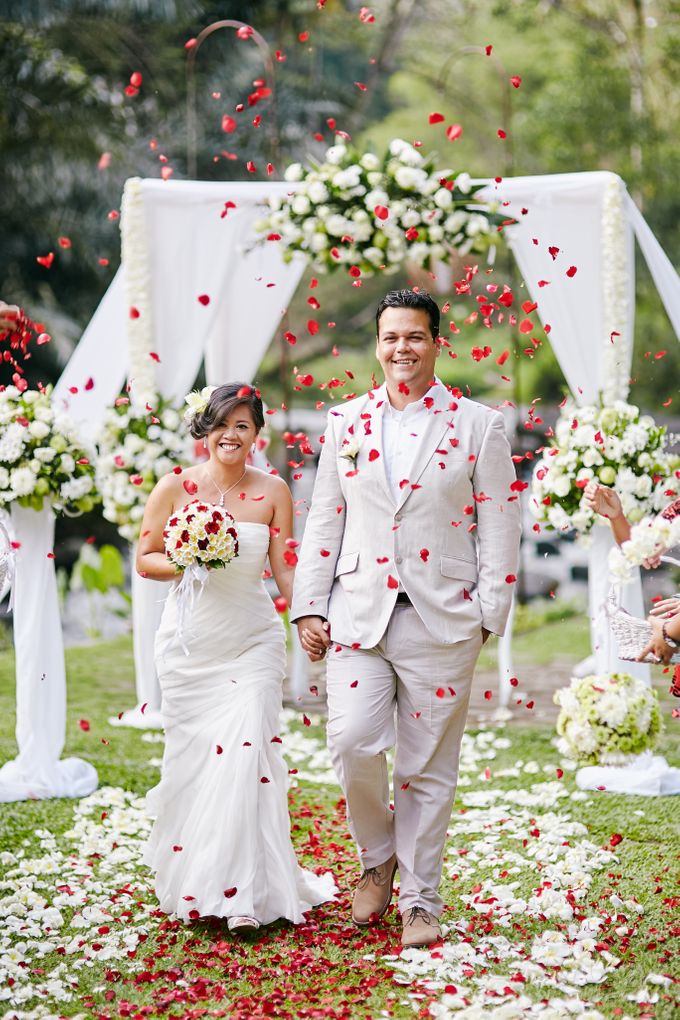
x=406 y=566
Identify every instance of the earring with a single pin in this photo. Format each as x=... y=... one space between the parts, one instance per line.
x=205 y=443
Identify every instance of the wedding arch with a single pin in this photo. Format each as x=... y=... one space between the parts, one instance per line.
x=192 y=287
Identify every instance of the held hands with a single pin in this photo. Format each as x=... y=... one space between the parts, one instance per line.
x=602 y=500
x=315 y=636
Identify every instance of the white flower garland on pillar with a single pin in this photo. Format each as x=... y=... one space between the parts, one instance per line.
x=135 y=260
x=615 y=279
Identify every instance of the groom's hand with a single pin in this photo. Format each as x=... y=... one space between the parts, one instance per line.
x=315 y=636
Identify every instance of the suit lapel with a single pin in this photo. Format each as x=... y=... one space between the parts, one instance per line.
x=436 y=429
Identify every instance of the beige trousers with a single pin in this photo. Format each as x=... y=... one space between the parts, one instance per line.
x=401 y=692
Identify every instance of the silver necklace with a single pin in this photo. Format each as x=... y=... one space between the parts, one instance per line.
x=223 y=494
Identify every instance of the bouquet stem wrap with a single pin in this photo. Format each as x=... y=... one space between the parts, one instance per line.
x=187 y=592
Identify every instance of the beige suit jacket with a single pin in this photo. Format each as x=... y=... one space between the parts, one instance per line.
x=452 y=538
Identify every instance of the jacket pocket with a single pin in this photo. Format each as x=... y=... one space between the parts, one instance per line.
x=460 y=570
x=346 y=563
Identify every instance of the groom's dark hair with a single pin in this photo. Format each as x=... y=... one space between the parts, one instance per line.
x=224 y=400
x=410 y=299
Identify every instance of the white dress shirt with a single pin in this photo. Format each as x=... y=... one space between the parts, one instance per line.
x=401 y=432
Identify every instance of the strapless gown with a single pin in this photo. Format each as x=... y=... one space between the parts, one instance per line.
x=220 y=844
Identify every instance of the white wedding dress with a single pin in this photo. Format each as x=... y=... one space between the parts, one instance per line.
x=220 y=844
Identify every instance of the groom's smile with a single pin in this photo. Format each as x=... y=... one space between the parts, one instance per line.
x=407 y=351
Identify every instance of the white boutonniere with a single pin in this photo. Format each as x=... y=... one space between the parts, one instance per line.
x=350 y=448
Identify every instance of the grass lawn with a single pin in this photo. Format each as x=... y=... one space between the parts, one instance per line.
x=545 y=903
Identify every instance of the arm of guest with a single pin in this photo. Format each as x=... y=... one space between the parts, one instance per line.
x=498 y=525
x=151 y=560
x=658 y=646
x=322 y=537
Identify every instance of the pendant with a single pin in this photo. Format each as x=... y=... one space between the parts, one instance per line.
x=222 y=499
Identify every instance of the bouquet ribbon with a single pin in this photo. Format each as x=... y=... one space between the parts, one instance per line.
x=188 y=591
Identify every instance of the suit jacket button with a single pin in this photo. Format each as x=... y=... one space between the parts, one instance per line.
x=398 y=517
x=398 y=559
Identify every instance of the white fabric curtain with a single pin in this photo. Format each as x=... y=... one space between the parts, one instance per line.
x=663 y=273
x=101 y=356
x=566 y=212
x=37 y=771
x=195 y=252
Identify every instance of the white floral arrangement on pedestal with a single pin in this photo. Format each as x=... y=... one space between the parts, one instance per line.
x=651 y=537
x=365 y=213
x=607 y=719
x=136 y=448
x=42 y=455
x=616 y=445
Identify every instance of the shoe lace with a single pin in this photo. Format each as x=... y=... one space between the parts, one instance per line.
x=371 y=875
x=417 y=913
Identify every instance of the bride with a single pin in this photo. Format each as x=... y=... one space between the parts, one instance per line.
x=220 y=845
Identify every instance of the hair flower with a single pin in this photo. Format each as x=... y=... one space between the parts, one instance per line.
x=197 y=402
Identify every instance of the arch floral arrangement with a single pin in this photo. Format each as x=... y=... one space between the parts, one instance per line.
x=42 y=455
x=367 y=213
x=607 y=719
x=136 y=447
x=617 y=445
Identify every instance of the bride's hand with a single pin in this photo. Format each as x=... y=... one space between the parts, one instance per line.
x=602 y=500
x=314 y=634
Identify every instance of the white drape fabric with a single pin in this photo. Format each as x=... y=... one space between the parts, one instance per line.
x=100 y=356
x=567 y=212
x=195 y=253
x=37 y=771
x=663 y=273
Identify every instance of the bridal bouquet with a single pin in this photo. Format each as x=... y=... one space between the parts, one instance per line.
x=653 y=536
x=607 y=719
x=366 y=213
x=618 y=446
x=136 y=448
x=200 y=535
x=42 y=455
x=197 y=537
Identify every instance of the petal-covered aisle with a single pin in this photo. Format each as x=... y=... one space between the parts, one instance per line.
x=555 y=909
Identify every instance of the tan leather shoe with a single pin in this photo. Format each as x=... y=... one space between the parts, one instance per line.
x=420 y=927
x=373 y=893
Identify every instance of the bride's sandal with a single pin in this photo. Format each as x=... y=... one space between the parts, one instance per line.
x=242 y=924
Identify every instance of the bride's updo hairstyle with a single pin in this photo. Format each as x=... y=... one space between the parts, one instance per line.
x=223 y=400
